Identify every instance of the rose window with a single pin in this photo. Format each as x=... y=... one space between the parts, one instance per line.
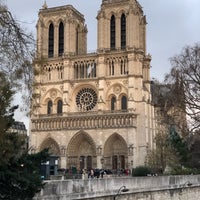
x=86 y=99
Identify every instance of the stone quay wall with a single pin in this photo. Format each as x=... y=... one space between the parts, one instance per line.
x=140 y=188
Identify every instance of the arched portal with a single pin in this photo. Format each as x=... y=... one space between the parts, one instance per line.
x=82 y=152
x=52 y=145
x=53 y=160
x=115 y=152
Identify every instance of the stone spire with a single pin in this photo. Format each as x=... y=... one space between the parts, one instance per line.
x=45 y=5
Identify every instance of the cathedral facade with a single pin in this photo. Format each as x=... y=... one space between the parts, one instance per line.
x=93 y=110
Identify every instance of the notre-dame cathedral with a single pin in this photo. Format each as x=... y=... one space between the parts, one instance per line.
x=93 y=110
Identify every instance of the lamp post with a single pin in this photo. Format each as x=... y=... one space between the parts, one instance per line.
x=186 y=184
x=121 y=189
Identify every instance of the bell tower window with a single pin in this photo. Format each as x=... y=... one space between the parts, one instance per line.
x=61 y=39
x=77 y=39
x=123 y=31
x=49 y=107
x=59 y=107
x=51 y=41
x=113 y=103
x=112 y=32
x=124 y=103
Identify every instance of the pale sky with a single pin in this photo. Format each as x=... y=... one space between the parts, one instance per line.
x=172 y=24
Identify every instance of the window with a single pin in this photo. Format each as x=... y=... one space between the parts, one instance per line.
x=124 y=103
x=82 y=70
x=111 y=68
x=86 y=99
x=113 y=103
x=77 y=40
x=60 y=72
x=112 y=32
x=49 y=74
x=123 y=31
x=51 y=41
x=49 y=107
x=59 y=107
x=61 y=39
x=122 y=67
x=85 y=69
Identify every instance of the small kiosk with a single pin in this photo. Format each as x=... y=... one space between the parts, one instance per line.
x=50 y=167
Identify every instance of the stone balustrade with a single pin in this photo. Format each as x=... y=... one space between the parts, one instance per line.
x=140 y=188
x=84 y=121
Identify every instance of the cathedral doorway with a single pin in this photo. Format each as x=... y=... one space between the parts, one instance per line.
x=52 y=145
x=118 y=162
x=53 y=163
x=85 y=162
x=115 y=153
x=81 y=152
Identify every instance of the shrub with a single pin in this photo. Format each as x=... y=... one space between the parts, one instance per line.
x=141 y=171
x=183 y=171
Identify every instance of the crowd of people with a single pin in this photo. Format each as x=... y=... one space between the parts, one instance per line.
x=100 y=173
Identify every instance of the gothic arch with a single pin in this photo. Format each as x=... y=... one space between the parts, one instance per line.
x=109 y=14
x=52 y=94
x=81 y=151
x=116 y=89
x=47 y=24
x=52 y=145
x=115 y=144
x=122 y=11
x=115 y=152
x=116 y=13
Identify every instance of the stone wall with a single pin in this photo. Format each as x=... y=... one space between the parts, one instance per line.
x=140 y=188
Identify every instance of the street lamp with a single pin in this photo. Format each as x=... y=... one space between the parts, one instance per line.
x=186 y=184
x=121 y=189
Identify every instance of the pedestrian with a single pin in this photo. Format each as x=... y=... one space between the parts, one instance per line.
x=83 y=174
x=102 y=173
x=92 y=173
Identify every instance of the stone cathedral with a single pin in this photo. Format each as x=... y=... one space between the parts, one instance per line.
x=93 y=110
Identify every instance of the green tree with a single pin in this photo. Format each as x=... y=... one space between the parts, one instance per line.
x=179 y=145
x=19 y=171
x=5 y=100
x=194 y=143
x=20 y=177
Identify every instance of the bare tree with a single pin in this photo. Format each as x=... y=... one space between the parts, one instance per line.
x=171 y=149
x=185 y=73
x=16 y=53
